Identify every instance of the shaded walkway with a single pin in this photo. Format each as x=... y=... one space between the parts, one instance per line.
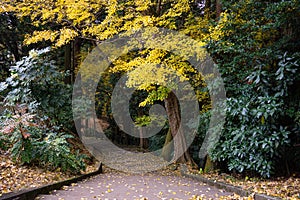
x=119 y=185
x=123 y=160
x=136 y=181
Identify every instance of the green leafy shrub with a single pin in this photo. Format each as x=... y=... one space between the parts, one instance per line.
x=37 y=113
x=54 y=151
x=33 y=144
x=39 y=83
x=259 y=63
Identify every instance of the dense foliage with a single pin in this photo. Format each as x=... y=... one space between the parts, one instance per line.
x=36 y=114
x=254 y=43
x=257 y=51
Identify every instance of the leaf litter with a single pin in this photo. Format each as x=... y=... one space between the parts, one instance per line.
x=283 y=187
x=15 y=177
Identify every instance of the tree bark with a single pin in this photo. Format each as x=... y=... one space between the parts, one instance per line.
x=72 y=59
x=173 y=112
x=158 y=7
x=76 y=47
x=209 y=165
x=68 y=62
x=168 y=147
x=141 y=138
x=218 y=9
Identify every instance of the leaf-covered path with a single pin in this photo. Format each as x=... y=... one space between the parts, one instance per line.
x=138 y=180
x=119 y=185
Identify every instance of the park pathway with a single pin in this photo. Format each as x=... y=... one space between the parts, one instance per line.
x=151 y=186
x=137 y=178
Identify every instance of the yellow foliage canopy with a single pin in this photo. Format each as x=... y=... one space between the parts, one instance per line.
x=100 y=20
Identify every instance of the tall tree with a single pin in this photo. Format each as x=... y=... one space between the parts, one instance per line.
x=100 y=20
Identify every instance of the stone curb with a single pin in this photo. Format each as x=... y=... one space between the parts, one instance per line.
x=229 y=188
x=30 y=194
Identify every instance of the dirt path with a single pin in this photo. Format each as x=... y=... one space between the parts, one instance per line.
x=118 y=185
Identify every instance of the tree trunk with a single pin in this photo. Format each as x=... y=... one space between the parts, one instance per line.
x=68 y=62
x=158 y=7
x=209 y=165
x=141 y=138
x=76 y=47
x=173 y=112
x=218 y=9
x=72 y=59
x=168 y=147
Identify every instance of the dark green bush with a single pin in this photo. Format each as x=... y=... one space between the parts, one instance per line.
x=38 y=111
x=259 y=62
x=40 y=146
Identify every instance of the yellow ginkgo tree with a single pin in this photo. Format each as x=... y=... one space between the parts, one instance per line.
x=150 y=68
